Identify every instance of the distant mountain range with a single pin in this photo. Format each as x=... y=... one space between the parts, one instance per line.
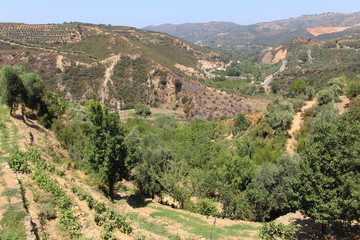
x=319 y=26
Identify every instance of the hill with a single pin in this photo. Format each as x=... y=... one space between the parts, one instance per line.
x=121 y=66
x=263 y=34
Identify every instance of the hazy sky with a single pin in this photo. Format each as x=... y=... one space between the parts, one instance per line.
x=140 y=13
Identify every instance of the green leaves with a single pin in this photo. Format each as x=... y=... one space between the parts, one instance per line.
x=18 y=162
x=327 y=187
x=280 y=115
x=273 y=231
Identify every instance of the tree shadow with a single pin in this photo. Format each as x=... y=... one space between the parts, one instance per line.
x=308 y=230
x=28 y=122
x=137 y=201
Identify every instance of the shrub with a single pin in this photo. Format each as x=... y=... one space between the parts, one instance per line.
x=241 y=123
x=272 y=231
x=207 y=207
x=353 y=90
x=47 y=211
x=142 y=109
x=327 y=95
x=280 y=115
x=18 y=162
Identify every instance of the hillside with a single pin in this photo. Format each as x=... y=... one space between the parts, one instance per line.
x=42 y=216
x=260 y=34
x=121 y=66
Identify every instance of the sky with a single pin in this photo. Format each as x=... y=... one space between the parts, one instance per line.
x=141 y=13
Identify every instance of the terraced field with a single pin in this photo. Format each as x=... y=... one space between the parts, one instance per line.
x=48 y=33
x=49 y=199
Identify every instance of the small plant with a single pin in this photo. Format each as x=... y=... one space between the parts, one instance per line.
x=18 y=162
x=272 y=231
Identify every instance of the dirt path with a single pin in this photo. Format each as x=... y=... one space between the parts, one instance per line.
x=59 y=63
x=104 y=89
x=343 y=104
x=296 y=125
x=10 y=183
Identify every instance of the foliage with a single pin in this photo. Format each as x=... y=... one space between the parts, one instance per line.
x=207 y=207
x=272 y=231
x=108 y=161
x=280 y=115
x=326 y=96
x=154 y=161
x=142 y=109
x=18 y=162
x=353 y=90
x=13 y=91
x=66 y=215
x=270 y=188
x=327 y=189
x=103 y=215
x=51 y=108
x=297 y=87
x=241 y=123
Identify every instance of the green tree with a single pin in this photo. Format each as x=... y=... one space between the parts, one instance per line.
x=35 y=88
x=154 y=160
x=270 y=189
x=298 y=87
x=12 y=91
x=326 y=96
x=280 y=115
x=110 y=153
x=328 y=185
x=241 y=123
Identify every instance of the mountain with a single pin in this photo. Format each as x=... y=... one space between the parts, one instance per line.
x=264 y=34
x=121 y=66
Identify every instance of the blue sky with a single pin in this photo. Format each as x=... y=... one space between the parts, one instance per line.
x=140 y=13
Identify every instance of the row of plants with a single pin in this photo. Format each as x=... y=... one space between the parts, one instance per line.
x=19 y=162
x=104 y=216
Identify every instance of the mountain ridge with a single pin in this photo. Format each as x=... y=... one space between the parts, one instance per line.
x=264 y=33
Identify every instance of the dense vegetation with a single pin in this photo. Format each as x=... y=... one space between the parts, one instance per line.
x=237 y=170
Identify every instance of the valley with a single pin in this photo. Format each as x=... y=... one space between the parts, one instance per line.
x=234 y=132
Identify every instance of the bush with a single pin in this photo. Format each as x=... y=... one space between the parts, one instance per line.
x=280 y=115
x=47 y=211
x=142 y=109
x=353 y=90
x=241 y=123
x=18 y=162
x=326 y=96
x=207 y=207
x=272 y=231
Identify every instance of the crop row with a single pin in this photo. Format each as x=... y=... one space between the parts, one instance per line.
x=103 y=216
x=19 y=162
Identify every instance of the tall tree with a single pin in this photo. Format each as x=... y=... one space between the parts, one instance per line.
x=110 y=152
x=12 y=90
x=328 y=186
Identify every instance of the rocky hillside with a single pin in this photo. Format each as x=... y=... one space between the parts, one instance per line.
x=264 y=34
x=121 y=66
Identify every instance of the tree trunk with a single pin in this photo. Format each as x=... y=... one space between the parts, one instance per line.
x=111 y=190
x=23 y=113
x=323 y=227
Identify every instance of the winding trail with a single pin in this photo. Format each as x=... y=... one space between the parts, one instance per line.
x=296 y=125
x=343 y=104
x=104 y=89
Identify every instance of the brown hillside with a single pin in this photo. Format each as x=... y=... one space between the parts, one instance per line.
x=325 y=30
